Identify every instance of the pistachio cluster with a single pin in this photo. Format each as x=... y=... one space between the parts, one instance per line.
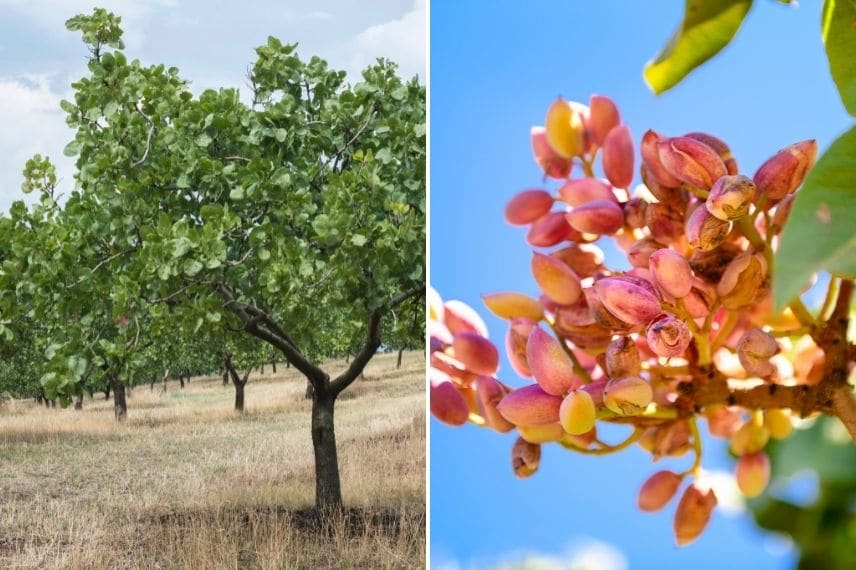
x=621 y=345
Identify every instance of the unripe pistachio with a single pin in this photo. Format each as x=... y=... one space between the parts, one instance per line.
x=527 y=206
x=730 y=197
x=630 y=302
x=665 y=221
x=668 y=440
x=550 y=366
x=576 y=315
x=693 y=512
x=778 y=423
x=782 y=213
x=723 y=421
x=542 y=434
x=627 y=395
x=477 y=353
x=602 y=217
x=658 y=490
x=743 y=281
x=447 y=404
x=595 y=390
x=461 y=318
x=690 y=161
x=653 y=192
x=593 y=337
x=551 y=163
x=515 y=345
x=577 y=413
x=439 y=335
x=601 y=315
x=551 y=229
x=622 y=358
x=640 y=252
x=525 y=457
x=584 y=259
x=671 y=272
x=452 y=367
x=700 y=300
x=711 y=264
x=556 y=279
x=565 y=129
x=668 y=336
x=751 y=437
x=719 y=146
x=705 y=231
x=617 y=157
x=651 y=161
x=603 y=116
x=783 y=173
x=511 y=305
x=634 y=213
x=753 y=473
x=489 y=392
x=581 y=190
x=530 y=406
x=754 y=349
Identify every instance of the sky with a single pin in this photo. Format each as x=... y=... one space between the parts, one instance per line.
x=211 y=42
x=493 y=74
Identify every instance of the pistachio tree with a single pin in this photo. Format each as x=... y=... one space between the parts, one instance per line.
x=265 y=214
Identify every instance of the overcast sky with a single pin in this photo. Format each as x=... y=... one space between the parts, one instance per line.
x=210 y=42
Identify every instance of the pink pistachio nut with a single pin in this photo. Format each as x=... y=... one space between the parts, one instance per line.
x=556 y=279
x=693 y=512
x=630 y=302
x=550 y=230
x=627 y=395
x=658 y=490
x=515 y=345
x=477 y=353
x=730 y=197
x=652 y=163
x=527 y=206
x=551 y=163
x=783 y=173
x=671 y=272
x=622 y=358
x=530 y=406
x=705 y=231
x=550 y=365
x=447 y=403
x=752 y=473
x=603 y=117
x=461 y=318
x=525 y=457
x=755 y=349
x=581 y=190
x=617 y=157
x=601 y=217
x=719 y=146
x=668 y=336
x=691 y=161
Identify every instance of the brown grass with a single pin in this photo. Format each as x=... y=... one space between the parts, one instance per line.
x=188 y=483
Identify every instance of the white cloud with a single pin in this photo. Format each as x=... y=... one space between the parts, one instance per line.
x=32 y=122
x=402 y=40
x=583 y=553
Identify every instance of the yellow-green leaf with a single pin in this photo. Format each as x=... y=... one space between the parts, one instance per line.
x=839 y=36
x=707 y=27
x=820 y=234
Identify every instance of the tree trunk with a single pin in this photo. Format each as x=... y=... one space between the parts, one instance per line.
x=181 y=380
x=310 y=391
x=53 y=403
x=78 y=402
x=328 y=491
x=107 y=392
x=273 y=364
x=225 y=377
x=120 y=407
x=239 y=396
x=152 y=384
x=398 y=362
x=262 y=368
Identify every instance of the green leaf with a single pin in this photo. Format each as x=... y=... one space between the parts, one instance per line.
x=707 y=27
x=280 y=134
x=237 y=193
x=72 y=149
x=820 y=233
x=839 y=36
x=358 y=240
x=203 y=140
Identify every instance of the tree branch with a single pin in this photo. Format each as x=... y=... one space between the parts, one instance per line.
x=371 y=344
x=253 y=325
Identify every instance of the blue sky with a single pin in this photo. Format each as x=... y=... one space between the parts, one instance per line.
x=495 y=67
x=211 y=42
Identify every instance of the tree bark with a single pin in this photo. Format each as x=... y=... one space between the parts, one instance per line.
x=152 y=384
x=107 y=391
x=398 y=362
x=78 y=402
x=328 y=490
x=120 y=406
x=309 y=394
x=273 y=364
x=239 y=396
x=225 y=377
x=262 y=368
x=181 y=380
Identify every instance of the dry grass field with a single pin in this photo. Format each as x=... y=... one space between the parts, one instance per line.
x=188 y=483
